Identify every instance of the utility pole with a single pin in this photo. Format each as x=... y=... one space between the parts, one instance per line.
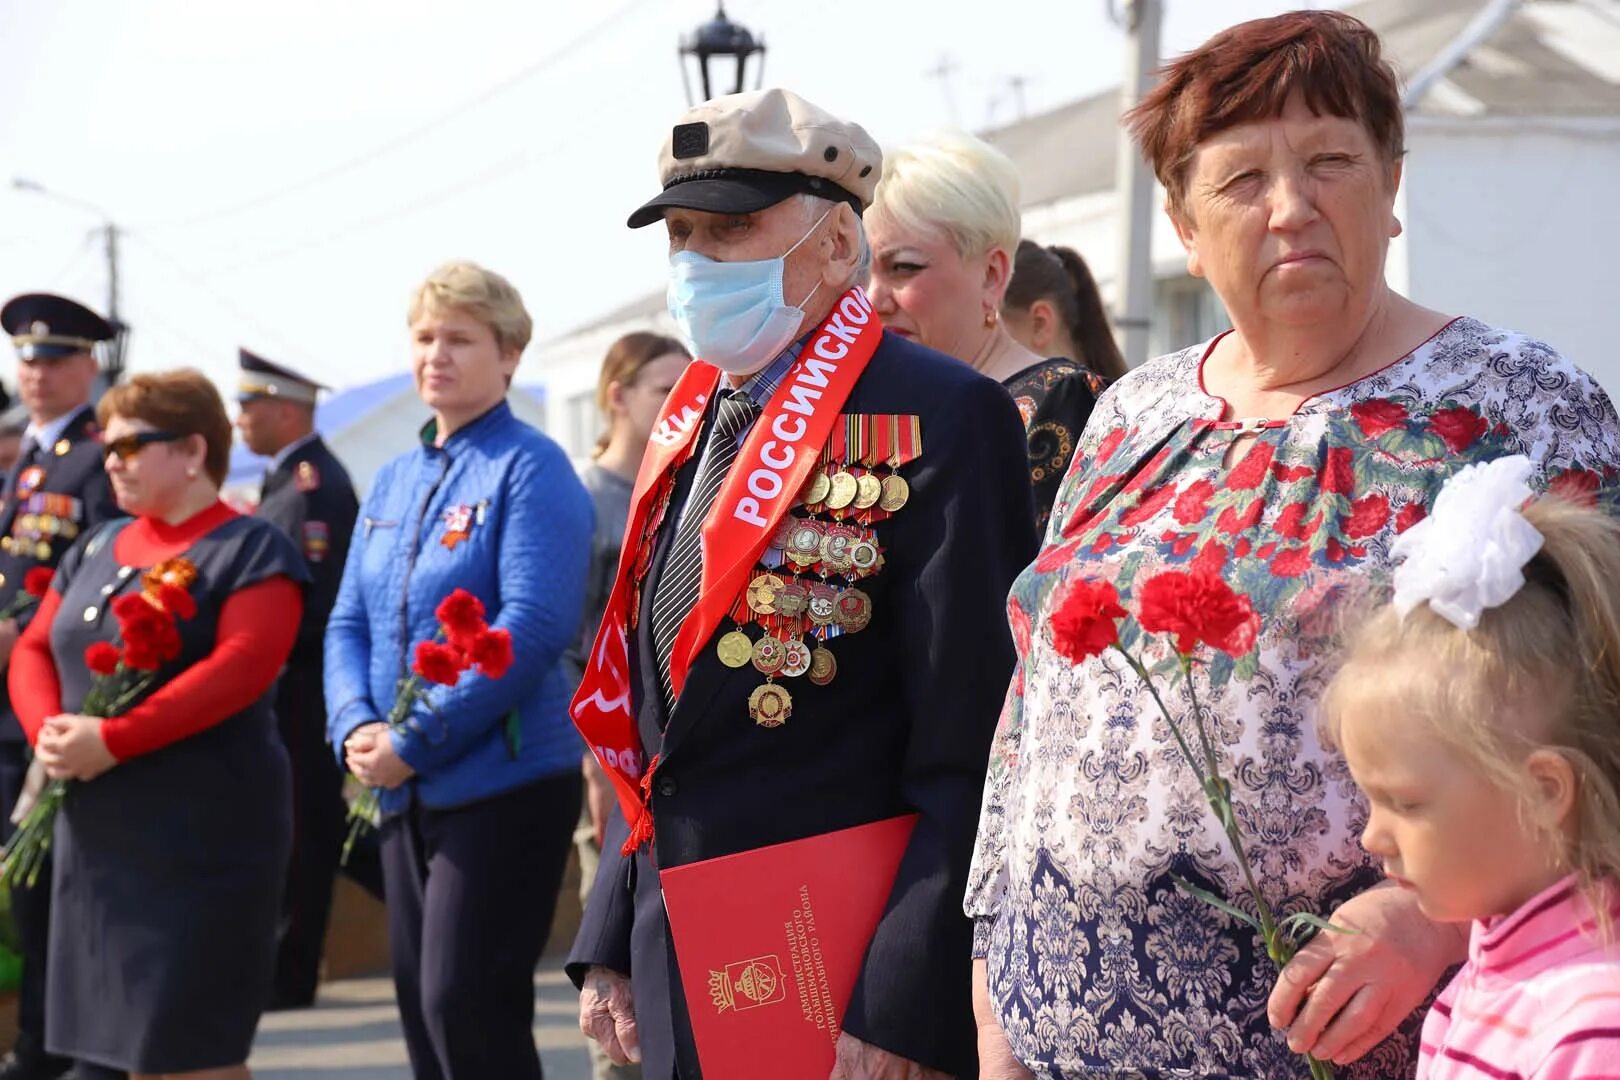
x=1141 y=21
x=1017 y=83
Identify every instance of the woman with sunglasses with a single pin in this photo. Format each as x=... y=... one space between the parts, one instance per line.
x=171 y=844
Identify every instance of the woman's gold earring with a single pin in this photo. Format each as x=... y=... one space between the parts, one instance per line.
x=990 y=318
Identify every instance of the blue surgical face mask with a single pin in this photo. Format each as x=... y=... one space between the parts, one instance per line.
x=733 y=314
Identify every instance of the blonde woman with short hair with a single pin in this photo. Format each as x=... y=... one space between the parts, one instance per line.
x=481 y=785
x=944 y=226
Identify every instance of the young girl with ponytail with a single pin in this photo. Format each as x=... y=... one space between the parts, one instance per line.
x=1480 y=714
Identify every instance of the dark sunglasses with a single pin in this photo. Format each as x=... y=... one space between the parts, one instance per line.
x=128 y=446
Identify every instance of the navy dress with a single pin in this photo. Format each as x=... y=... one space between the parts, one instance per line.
x=169 y=866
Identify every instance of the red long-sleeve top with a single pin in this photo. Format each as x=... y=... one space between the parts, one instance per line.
x=257 y=625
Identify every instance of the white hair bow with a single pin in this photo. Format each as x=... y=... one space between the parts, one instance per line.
x=1469 y=554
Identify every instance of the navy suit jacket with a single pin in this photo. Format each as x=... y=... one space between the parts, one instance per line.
x=905 y=726
x=33 y=535
x=310 y=498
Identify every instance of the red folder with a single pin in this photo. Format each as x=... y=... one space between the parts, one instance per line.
x=770 y=943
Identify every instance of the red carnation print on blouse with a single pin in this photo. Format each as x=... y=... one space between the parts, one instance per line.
x=1459 y=427
x=1367 y=516
x=1378 y=416
x=1054 y=558
x=1578 y=486
x=1410 y=515
x=1106 y=448
x=1291 y=522
x=1338 y=471
x=1292 y=474
x=1149 y=506
x=1252 y=469
x=1234 y=521
x=1211 y=559
x=1147 y=472
x=1193 y=504
x=1292 y=562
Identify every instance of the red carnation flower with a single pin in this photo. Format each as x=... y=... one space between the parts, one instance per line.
x=1087 y=621
x=1378 y=416
x=462 y=616
x=176 y=601
x=102 y=658
x=148 y=632
x=1367 y=516
x=438 y=663
x=1198 y=607
x=1460 y=427
x=37 y=582
x=492 y=652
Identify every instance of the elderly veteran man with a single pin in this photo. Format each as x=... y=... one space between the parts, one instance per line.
x=808 y=629
x=56 y=491
x=308 y=495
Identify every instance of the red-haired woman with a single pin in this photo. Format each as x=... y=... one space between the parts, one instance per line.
x=173 y=839
x=1284 y=456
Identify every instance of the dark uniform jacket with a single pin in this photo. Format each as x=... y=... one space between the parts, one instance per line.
x=904 y=726
x=49 y=500
x=310 y=498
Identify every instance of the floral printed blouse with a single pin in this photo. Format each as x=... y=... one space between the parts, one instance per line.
x=1098 y=965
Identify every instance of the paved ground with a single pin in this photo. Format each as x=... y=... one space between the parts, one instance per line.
x=353 y=1034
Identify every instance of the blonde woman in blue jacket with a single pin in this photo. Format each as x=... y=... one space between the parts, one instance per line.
x=478 y=810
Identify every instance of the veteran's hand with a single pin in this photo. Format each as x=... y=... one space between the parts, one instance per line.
x=1343 y=994
x=857 y=1060
x=70 y=747
x=374 y=761
x=607 y=1014
x=996 y=1058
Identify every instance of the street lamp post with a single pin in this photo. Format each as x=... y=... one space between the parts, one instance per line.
x=109 y=232
x=720 y=37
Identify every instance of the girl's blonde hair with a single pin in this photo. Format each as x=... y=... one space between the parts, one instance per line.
x=1541 y=671
x=951 y=183
x=483 y=293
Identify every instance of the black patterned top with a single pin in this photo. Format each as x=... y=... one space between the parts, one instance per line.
x=1055 y=398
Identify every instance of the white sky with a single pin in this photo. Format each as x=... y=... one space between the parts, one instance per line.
x=287 y=171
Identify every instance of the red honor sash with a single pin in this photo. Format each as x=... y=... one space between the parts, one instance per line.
x=776 y=458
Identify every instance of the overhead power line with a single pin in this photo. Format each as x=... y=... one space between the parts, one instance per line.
x=405 y=138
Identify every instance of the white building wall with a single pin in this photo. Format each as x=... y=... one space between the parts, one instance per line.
x=1517 y=223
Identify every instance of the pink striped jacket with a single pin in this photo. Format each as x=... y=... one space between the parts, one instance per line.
x=1538 y=999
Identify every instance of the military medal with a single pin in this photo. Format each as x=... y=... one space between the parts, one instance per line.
x=868 y=490
x=762 y=594
x=865 y=556
x=823 y=604
x=836 y=543
x=792 y=601
x=61 y=448
x=854 y=610
x=823 y=666
x=842 y=490
x=768 y=655
x=816 y=488
x=804 y=544
x=795 y=658
x=770 y=705
x=30 y=479
x=895 y=493
x=735 y=649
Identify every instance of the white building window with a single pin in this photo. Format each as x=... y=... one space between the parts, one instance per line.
x=1185 y=312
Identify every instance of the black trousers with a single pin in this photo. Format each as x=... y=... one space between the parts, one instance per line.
x=30 y=914
x=471 y=892
x=318 y=831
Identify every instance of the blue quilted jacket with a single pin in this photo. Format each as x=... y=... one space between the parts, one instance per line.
x=498 y=511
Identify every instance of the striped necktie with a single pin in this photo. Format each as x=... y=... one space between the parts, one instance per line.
x=678 y=583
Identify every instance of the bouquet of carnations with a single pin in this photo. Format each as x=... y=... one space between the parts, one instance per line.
x=1194 y=608
x=463 y=641
x=36 y=583
x=120 y=673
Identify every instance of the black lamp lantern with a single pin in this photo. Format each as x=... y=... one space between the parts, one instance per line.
x=720 y=37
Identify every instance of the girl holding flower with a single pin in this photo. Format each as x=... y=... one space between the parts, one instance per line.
x=173 y=833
